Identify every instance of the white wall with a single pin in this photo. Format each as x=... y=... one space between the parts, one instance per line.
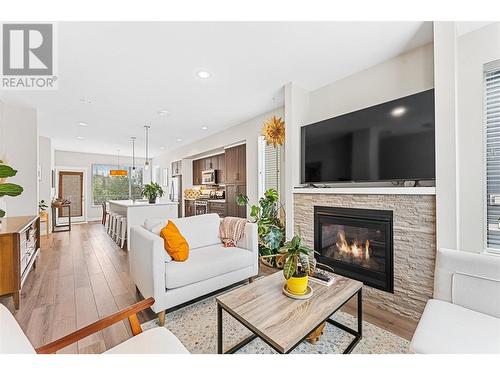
x=403 y=75
x=296 y=111
x=46 y=164
x=446 y=135
x=19 y=149
x=248 y=132
x=473 y=51
x=80 y=160
x=400 y=76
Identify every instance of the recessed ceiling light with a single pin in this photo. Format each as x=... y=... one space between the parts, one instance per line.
x=162 y=148
x=398 y=111
x=204 y=128
x=179 y=139
x=79 y=137
x=203 y=74
x=163 y=112
x=82 y=124
x=85 y=100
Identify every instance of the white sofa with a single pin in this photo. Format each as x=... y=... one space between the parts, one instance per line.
x=210 y=265
x=464 y=316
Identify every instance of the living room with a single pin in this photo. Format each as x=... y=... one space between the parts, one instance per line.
x=254 y=199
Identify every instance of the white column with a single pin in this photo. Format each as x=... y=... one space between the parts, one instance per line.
x=296 y=107
x=445 y=49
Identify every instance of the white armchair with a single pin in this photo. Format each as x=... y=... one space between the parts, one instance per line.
x=157 y=340
x=464 y=316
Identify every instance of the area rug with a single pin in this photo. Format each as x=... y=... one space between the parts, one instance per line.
x=196 y=326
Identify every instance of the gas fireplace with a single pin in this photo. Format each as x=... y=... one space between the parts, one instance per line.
x=356 y=243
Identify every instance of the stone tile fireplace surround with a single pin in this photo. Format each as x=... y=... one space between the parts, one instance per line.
x=414 y=226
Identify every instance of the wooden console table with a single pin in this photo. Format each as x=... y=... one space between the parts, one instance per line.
x=19 y=248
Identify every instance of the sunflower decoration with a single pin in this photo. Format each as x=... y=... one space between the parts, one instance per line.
x=274 y=131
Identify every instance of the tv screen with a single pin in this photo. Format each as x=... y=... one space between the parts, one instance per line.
x=389 y=141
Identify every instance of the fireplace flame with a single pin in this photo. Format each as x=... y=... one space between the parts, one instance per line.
x=355 y=249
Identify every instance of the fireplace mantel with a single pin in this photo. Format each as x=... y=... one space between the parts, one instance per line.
x=427 y=190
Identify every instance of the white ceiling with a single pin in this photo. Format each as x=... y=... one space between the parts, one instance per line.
x=130 y=71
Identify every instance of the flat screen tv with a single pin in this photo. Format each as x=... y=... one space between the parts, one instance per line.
x=392 y=141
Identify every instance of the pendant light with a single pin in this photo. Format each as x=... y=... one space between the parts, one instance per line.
x=118 y=171
x=146 y=164
x=133 y=152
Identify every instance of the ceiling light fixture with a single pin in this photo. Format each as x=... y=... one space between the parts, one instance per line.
x=79 y=138
x=398 y=111
x=179 y=139
x=162 y=148
x=82 y=124
x=203 y=74
x=204 y=128
x=146 y=164
x=133 y=152
x=118 y=172
x=163 y=112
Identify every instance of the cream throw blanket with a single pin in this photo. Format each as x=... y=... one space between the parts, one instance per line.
x=231 y=230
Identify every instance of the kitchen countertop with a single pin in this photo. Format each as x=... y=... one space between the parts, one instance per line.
x=208 y=200
x=130 y=203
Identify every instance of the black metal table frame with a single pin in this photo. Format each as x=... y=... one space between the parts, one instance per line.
x=57 y=227
x=357 y=334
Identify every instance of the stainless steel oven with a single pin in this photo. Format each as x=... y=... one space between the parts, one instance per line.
x=209 y=177
x=200 y=207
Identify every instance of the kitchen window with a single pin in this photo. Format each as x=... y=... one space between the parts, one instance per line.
x=492 y=154
x=106 y=187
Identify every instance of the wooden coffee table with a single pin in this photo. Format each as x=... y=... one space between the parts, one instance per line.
x=282 y=322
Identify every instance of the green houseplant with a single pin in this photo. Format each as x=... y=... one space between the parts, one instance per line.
x=298 y=264
x=271 y=229
x=7 y=189
x=152 y=191
x=42 y=207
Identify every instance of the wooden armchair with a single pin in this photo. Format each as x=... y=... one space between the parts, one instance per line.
x=157 y=340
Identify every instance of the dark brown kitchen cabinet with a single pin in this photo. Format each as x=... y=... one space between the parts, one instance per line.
x=232 y=191
x=189 y=208
x=197 y=168
x=221 y=169
x=212 y=162
x=217 y=208
x=235 y=165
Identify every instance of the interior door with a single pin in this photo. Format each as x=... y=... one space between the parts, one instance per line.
x=71 y=188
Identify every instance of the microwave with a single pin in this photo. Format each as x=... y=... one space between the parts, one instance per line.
x=209 y=177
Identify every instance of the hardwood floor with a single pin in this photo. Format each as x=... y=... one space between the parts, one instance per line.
x=82 y=276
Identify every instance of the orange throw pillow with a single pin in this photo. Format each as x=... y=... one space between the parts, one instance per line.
x=174 y=242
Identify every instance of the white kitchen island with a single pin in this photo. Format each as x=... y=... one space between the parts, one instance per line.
x=138 y=211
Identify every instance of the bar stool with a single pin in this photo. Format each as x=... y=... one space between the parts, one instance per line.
x=116 y=227
x=111 y=219
x=122 y=232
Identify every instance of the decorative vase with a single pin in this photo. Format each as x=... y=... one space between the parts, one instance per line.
x=297 y=285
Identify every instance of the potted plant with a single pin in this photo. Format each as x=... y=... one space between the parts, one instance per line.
x=298 y=264
x=7 y=189
x=152 y=191
x=42 y=207
x=271 y=229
